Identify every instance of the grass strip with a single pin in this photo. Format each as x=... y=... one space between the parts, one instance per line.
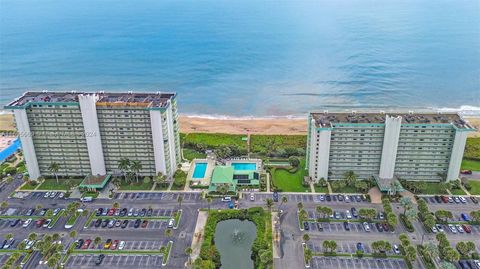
x=26 y=258
x=90 y=219
x=56 y=218
x=178 y=217
x=118 y=252
x=166 y=254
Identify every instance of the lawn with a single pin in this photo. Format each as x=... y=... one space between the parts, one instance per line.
x=432 y=188
x=27 y=186
x=457 y=192
x=140 y=186
x=191 y=154
x=290 y=182
x=475 y=184
x=319 y=189
x=471 y=165
x=51 y=184
x=472 y=148
x=347 y=189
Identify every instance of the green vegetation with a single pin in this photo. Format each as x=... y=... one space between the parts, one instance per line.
x=203 y=141
x=320 y=189
x=471 y=165
x=166 y=252
x=457 y=192
x=472 y=149
x=133 y=186
x=285 y=180
x=278 y=145
x=180 y=178
x=261 y=248
x=30 y=185
x=62 y=185
x=73 y=218
x=93 y=194
x=474 y=187
x=191 y=154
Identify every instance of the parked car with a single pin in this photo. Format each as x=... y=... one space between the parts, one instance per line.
x=99 y=259
x=348 y=215
x=474 y=200
x=144 y=223
x=379 y=227
x=124 y=224
x=99 y=212
x=143 y=212
x=98 y=222
x=121 y=245
x=358 y=198
x=366 y=227
x=86 y=244
x=346 y=225
x=328 y=198
x=444 y=198
x=465 y=217
x=116 y=212
x=463 y=200
x=252 y=197
x=452 y=228
x=149 y=212
x=61 y=195
x=395 y=249
x=170 y=223
x=114 y=245
x=360 y=247
x=137 y=223
x=337 y=215
x=347 y=199
x=46 y=223
x=340 y=197
x=118 y=223
x=457 y=200
x=14 y=222
x=107 y=244
x=306 y=226
x=459 y=228
x=385 y=227
x=354 y=212
x=466 y=172
x=381 y=215
x=434 y=229
x=47 y=194
x=463 y=264
x=123 y=212
x=39 y=223
x=111 y=211
x=9 y=243
x=130 y=212
x=322 y=198
x=319 y=226
x=227 y=199
x=30 y=212
x=56 y=211
x=52 y=194
x=30 y=244
x=79 y=243
x=467 y=228
x=105 y=223
x=136 y=212
x=439 y=228
x=111 y=223
x=450 y=200
x=26 y=223
x=438 y=199
x=275 y=196
x=105 y=211
x=42 y=212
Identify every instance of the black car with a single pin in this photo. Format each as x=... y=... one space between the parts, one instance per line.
x=149 y=212
x=354 y=212
x=79 y=243
x=123 y=212
x=124 y=224
x=143 y=212
x=379 y=227
x=306 y=226
x=137 y=223
x=3 y=244
x=99 y=212
x=14 y=223
x=319 y=226
x=340 y=197
x=346 y=225
x=438 y=199
x=104 y=223
x=99 y=259
x=328 y=198
x=358 y=198
x=98 y=222
x=464 y=264
x=474 y=200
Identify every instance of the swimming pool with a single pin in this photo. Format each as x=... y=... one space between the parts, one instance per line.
x=244 y=166
x=6 y=152
x=199 y=171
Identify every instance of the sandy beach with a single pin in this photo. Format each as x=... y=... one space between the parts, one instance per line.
x=195 y=124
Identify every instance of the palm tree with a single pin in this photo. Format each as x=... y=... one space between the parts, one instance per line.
x=300 y=206
x=73 y=234
x=136 y=166
x=21 y=245
x=209 y=201
x=124 y=166
x=4 y=204
x=188 y=251
x=168 y=232
x=350 y=177
x=269 y=202
x=38 y=206
x=97 y=240
x=180 y=200
x=54 y=167
x=160 y=178
x=8 y=236
x=32 y=236
x=284 y=200
x=306 y=238
x=116 y=205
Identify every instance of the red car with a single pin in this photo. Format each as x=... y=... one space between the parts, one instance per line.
x=114 y=245
x=40 y=222
x=467 y=228
x=444 y=198
x=86 y=244
x=111 y=211
x=385 y=227
x=466 y=172
x=144 y=224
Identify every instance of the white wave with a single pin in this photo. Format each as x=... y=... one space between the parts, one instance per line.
x=463 y=110
x=250 y=117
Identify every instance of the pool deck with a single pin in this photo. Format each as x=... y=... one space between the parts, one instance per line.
x=258 y=162
x=205 y=181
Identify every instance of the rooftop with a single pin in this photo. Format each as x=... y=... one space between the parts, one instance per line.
x=222 y=175
x=327 y=119
x=158 y=99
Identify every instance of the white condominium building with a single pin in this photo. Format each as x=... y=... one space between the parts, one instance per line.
x=88 y=133
x=426 y=147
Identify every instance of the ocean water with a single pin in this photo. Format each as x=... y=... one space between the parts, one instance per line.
x=249 y=57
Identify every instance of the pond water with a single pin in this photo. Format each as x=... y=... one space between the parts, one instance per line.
x=234 y=239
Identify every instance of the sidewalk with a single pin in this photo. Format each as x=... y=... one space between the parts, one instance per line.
x=198 y=235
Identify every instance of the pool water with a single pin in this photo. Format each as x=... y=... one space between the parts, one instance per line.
x=244 y=166
x=199 y=171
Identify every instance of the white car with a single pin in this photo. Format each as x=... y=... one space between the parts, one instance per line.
x=347 y=199
x=53 y=194
x=55 y=212
x=47 y=194
x=347 y=213
x=171 y=222
x=227 y=199
x=29 y=244
x=452 y=228
x=26 y=223
x=434 y=230
x=463 y=200
x=459 y=228
x=477 y=263
x=46 y=223
x=121 y=245
x=252 y=197
x=439 y=228
x=130 y=212
x=396 y=250
x=366 y=227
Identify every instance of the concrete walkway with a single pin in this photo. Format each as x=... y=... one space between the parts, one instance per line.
x=198 y=235
x=375 y=195
x=329 y=187
x=312 y=187
x=268 y=182
x=276 y=238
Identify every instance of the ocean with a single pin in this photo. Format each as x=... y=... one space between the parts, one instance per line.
x=249 y=57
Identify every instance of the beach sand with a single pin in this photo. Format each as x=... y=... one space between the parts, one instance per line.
x=194 y=124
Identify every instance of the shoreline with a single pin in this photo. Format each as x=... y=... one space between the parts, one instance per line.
x=271 y=125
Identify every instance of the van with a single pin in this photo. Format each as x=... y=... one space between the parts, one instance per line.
x=86 y=199
x=227 y=199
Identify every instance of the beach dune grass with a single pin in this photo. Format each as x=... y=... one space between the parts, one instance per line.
x=214 y=140
x=190 y=154
x=290 y=182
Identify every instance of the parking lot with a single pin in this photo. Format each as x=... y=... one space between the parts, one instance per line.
x=190 y=196
x=117 y=261
x=152 y=224
x=356 y=263
x=329 y=227
x=432 y=200
x=305 y=198
x=346 y=247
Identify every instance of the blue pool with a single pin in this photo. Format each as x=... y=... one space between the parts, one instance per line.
x=6 y=152
x=244 y=166
x=199 y=171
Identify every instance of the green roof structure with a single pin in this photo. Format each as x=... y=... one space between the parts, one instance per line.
x=228 y=175
x=222 y=175
x=95 y=182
